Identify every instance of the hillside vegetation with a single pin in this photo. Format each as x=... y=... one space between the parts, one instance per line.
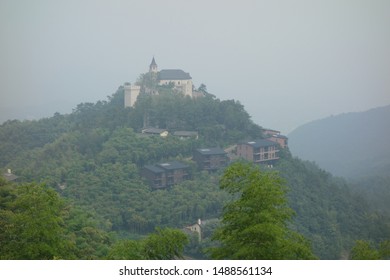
x=92 y=158
x=355 y=146
x=349 y=145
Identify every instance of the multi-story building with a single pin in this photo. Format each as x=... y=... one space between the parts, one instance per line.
x=210 y=159
x=259 y=151
x=166 y=174
x=275 y=136
x=181 y=81
x=280 y=139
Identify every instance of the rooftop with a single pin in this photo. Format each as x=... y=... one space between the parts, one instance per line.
x=260 y=143
x=278 y=136
x=211 y=151
x=9 y=176
x=153 y=130
x=173 y=74
x=172 y=165
x=154 y=168
x=153 y=62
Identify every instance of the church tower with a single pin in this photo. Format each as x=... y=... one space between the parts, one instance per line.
x=153 y=66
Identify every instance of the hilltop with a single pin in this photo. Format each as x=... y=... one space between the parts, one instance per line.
x=94 y=157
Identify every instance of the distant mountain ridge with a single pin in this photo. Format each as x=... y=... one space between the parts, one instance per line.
x=349 y=145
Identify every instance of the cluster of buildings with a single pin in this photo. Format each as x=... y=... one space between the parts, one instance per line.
x=180 y=80
x=261 y=151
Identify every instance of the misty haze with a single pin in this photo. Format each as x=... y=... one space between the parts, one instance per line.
x=136 y=130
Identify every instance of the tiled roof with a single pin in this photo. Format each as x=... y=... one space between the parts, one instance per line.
x=260 y=143
x=173 y=74
x=211 y=151
x=154 y=168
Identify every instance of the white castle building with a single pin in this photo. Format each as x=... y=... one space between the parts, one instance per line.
x=181 y=81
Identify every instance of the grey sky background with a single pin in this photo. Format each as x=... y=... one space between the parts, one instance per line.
x=287 y=62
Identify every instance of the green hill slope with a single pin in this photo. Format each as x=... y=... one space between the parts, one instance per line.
x=349 y=145
x=93 y=158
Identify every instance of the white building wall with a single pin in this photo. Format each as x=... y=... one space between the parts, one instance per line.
x=131 y=95
x=185 y=86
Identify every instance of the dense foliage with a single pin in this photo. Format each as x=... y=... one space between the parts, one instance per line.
x=352 y=145
x=164 y=244
x=364 y=250
x=88 y=165
x=36 y=223
x=255 y=225
x=329 y=212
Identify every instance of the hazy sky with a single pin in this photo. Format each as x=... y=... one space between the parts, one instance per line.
x=288 y=62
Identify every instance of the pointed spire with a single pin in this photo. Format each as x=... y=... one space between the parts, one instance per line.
x=153 y=62
x=153 y=66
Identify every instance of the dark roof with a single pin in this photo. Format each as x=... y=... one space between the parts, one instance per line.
x=153 y=62
x=172 y=165
x=153 y=130
x=211 y=151
x=10 y=177
x=260 y=143
x=173 y=74
x=154 y=168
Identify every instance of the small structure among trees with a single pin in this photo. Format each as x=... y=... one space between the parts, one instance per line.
x=210 y=159
x=166 y=174
x=9 y=176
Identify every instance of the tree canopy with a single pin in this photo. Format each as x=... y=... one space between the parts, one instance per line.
x=90 y=162
x=255 y=223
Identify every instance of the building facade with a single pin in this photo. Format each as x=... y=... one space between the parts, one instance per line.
x=155 y=132
x=280 y=139
x=167 y=174
x=180 y=80
x=275 y=136
x=210 y=159
x=131 y=94
x=259 y=151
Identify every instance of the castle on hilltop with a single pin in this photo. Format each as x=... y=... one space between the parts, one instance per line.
x=181 y=81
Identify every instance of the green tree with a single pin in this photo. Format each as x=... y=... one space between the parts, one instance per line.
x=364 y=251
x=126 y=250
x=32 y=225
x=164 y=244
x=255 y=224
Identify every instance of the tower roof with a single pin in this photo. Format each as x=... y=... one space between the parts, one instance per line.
x=153 y=62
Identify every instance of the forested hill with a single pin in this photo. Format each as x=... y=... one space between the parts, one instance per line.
x=218 y=123
x=348 y=145
x=93 y=157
